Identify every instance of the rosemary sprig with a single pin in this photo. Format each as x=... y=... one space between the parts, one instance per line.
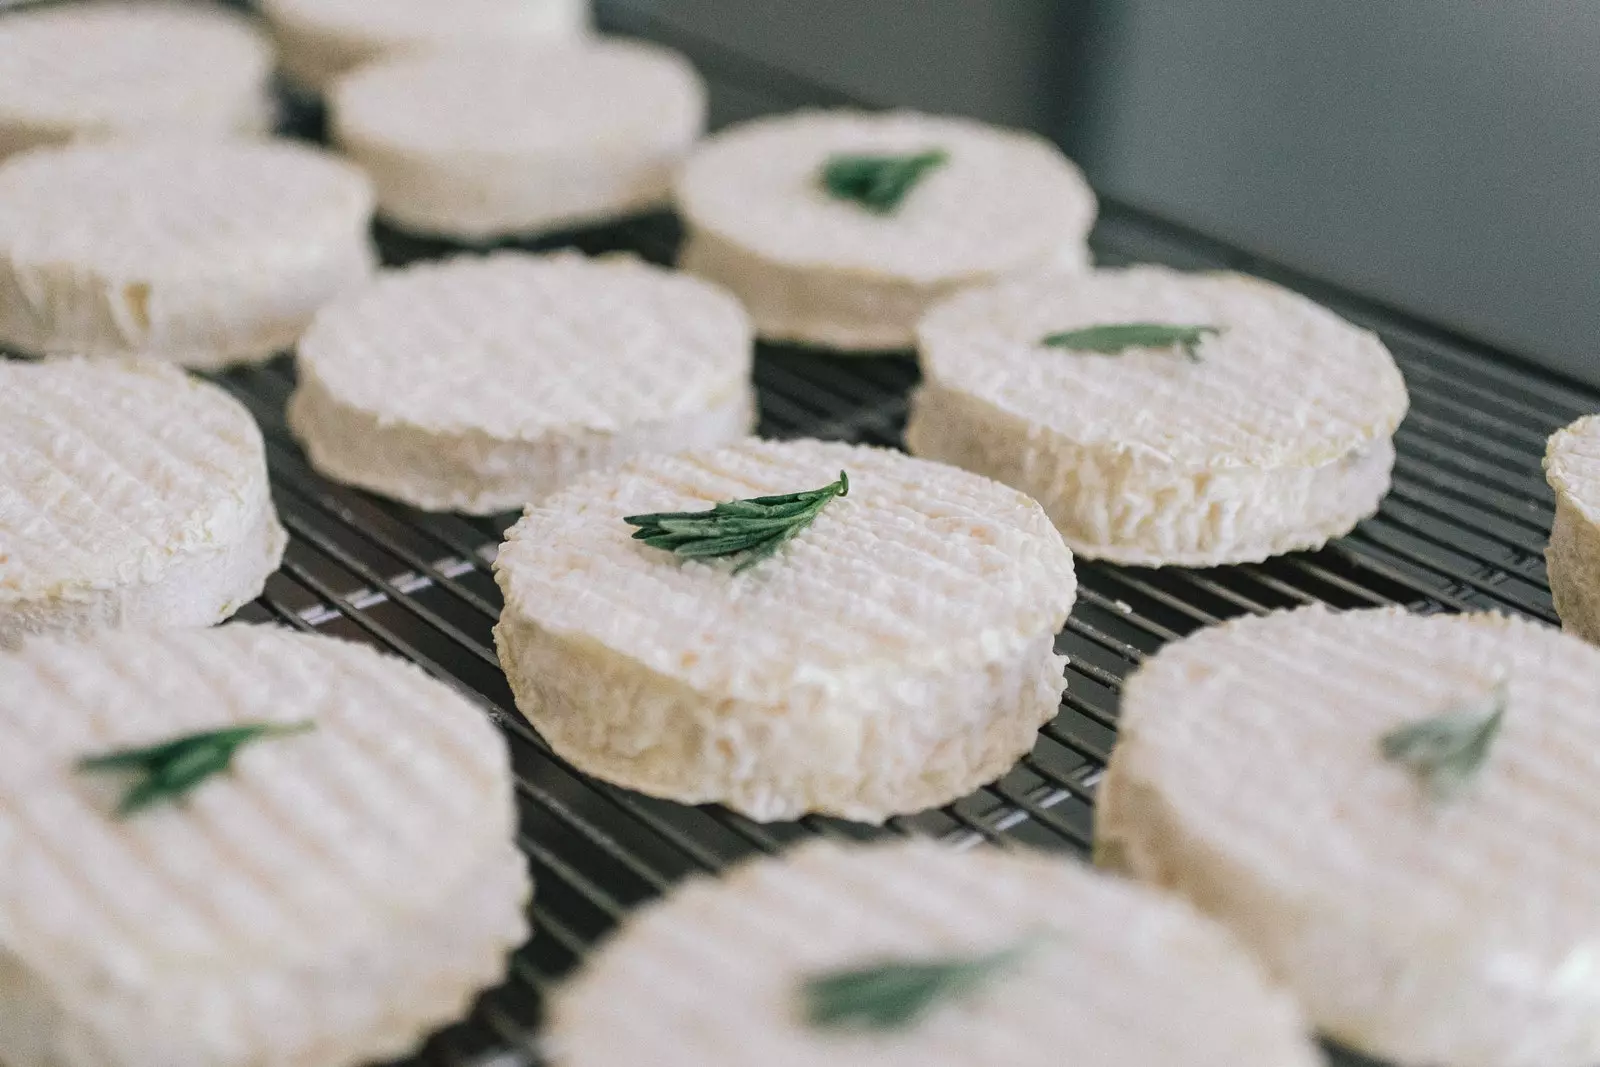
x=1445 y=751
x=752 y=529
x=893 y=994
x=878 y=183
x=1116 y=338
x=168 y=771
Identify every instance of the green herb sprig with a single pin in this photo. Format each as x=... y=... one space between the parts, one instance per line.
x=878 y=183
x=1446 y=751
x=1116 y=338
x=168 y=771
x=893 y=994
x=752 y=529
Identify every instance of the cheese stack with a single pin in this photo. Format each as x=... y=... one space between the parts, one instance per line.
x=1397 y=813
x=821 y=270
x=325 y=902
x=130 y=495
x=484 y=142
x=1097 y=970
x=198 y=253
x=130 y=69
x=1269 y=431
x=892 y=656
x=1572 y=466
x=482 y=383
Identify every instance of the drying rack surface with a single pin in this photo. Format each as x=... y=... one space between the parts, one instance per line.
x=1464 y=529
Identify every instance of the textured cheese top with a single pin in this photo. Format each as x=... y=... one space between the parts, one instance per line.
x=308 y=844
x=1572 y=465
x=617 y=96
x=514 y=345
x=123 y=67
x=1004 y=199
x=921 y=565
x=1263 y=733
x=402 y=23
x=1285 y=383
x=109 y=469
x=1116 y=974
x=175 y=209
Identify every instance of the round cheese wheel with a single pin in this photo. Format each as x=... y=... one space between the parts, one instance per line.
x=323 y=39
x=1416 y=925
x=894 y=655
x=1101 y=971
x=819 y=270
x=198 y=253
x=130 y=495
x=327 y=900
x=481 y=143
x=1572 y=467
x=1274 y=436
x=483 y=383
x=107 y=69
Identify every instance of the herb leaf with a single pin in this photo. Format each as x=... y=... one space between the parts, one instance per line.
x=878 y=183
x=1113 y=339
x=752 y=529
x=895 y=993
x=1445 y=751
x=173 y=768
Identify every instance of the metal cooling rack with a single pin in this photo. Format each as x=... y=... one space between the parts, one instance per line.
x=1464 y=529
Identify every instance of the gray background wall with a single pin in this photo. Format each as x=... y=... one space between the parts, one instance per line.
x=1442 y=155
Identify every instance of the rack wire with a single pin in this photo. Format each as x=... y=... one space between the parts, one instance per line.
x=1464 y=529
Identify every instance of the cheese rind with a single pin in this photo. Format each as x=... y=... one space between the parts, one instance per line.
x=1277 y=438
x=130 y=495
x=480 y=143
x=1247 y=776
x=483 y=383
x=323 y=39
x=1112 y=974
x=817 y=270
x=201 y=254
x=102 y=69
x=1572 y=467
x=895 y=655
x=326 y=901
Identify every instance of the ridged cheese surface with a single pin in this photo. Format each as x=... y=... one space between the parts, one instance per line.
x=827 y=271
x=1464 y=931
x=129 y=495
x=100 y=69
x=480 y=142
x=481 y=383
x=1116 y=976
x=322 y=39
x=1275 y=438
x=895 y=654
x=195 y=252
x=1572 y=467
x=326 y=901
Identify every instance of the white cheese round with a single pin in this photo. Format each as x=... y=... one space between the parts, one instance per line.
x=130 y=69
x=1422 y=930
x=327 y=901
x=1108 y=973
x=322 y=39
x=1572 y=467
x=130 y=495
x=819 y=270
x=483 y=383
x=1275 y=437
x=895 y=655
x=198 y=253
x=481 y=143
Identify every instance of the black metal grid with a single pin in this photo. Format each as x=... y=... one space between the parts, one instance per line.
x=1463 y=529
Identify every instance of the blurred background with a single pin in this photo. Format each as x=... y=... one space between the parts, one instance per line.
x=1442 y=156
